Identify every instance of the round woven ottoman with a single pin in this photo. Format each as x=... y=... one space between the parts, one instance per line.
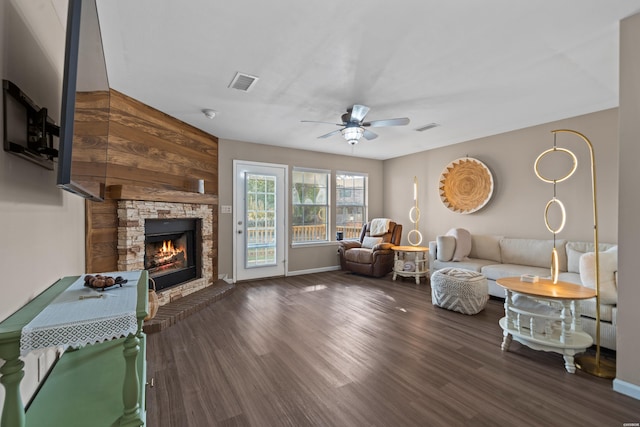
x=464 y=291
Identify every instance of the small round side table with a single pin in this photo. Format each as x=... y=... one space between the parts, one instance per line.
x=420 y=260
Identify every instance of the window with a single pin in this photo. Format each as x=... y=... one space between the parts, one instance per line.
x=260 y=193
x=351 y=203
x=310 y=199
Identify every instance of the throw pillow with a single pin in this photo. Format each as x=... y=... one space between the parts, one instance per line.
x=445 y=247
x=370 y=242
x=608 y=267
x=463 y=243
x=576 y=249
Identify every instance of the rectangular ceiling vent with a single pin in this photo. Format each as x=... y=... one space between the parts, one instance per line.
x=427 y=127
x=243 y=82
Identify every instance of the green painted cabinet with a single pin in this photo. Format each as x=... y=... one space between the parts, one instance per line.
x=98 y=385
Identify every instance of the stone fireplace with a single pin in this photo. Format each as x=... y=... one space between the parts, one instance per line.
x=151 y=227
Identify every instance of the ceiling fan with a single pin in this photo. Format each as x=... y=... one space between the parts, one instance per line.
x=354 y=125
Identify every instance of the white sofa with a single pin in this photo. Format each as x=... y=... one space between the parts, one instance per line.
x=497 y=257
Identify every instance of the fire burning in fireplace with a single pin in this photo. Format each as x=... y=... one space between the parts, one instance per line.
x=166 y=255
x=171 y=251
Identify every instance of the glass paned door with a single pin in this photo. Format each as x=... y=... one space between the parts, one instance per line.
x=260 y=194
x=259 y=216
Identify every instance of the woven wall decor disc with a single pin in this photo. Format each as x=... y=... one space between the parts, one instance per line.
x=466 y=185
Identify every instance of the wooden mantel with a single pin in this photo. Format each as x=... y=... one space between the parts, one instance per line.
x=134 y=192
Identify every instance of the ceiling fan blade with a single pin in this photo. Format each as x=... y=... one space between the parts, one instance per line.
x=316 y=121
x=358 y=112
x=369 y=135
x=387 y=122
x=327 y=135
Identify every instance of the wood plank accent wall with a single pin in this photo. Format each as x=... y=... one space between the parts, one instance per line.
x=149 y=149
x=90 y=140
x=101 y=239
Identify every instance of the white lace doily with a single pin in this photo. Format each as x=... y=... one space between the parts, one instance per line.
x=74 y=320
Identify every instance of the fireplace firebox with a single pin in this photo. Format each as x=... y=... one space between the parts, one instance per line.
x=172 y=251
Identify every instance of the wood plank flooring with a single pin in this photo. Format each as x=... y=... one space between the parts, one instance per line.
x=336 y=349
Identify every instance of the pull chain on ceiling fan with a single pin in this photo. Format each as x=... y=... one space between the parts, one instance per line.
x=354 y=125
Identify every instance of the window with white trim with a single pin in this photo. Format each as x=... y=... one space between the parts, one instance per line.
x=310 y=200
x=351 y=203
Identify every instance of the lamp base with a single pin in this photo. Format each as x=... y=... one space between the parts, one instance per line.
x=587 y=363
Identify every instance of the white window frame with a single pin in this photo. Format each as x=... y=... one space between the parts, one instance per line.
x=295 y=201
x=365 y=205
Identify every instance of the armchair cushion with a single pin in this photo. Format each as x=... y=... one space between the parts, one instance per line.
x=383 y=246
x=369 y=242
x=359 y=255
x=345 y=245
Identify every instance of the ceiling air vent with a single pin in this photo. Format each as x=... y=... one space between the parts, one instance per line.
x=243 y=82
x=427 y=127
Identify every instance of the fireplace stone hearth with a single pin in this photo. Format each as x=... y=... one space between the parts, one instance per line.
x=132 y=215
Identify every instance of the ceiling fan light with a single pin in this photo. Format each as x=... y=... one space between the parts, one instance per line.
x=352 y=134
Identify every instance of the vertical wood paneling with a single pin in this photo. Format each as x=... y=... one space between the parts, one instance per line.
x=101 y=236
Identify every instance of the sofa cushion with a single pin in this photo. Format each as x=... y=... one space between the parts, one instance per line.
x=369 y=242
x=446 y=246
x=533 y=252
x=498 y=271
x=608 y=267
x=576 y=249
x=485 y=247
x=463 y=243
x=570 y=278
x=607 y=311
x=468 y=264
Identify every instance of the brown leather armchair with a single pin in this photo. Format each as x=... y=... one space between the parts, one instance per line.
x=376 y=260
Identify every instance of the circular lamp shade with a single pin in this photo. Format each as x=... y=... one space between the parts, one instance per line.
x=465 y=185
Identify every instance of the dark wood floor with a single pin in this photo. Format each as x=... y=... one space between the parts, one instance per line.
x=335 y=349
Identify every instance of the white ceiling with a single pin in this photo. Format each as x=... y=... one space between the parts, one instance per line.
x=477 y=68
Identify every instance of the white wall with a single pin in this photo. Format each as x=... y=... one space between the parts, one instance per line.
x=628 y=337
x=41 y=227
x=519 y=198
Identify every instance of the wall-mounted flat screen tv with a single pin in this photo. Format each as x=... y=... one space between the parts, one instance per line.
x=84 y=127
x=28 y=131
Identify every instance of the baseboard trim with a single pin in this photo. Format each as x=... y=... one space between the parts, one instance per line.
x=225 y=277
x=313 y=270
x=627 y=388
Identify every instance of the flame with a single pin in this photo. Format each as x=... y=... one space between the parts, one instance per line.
x=167 y=246
x=168 y=254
